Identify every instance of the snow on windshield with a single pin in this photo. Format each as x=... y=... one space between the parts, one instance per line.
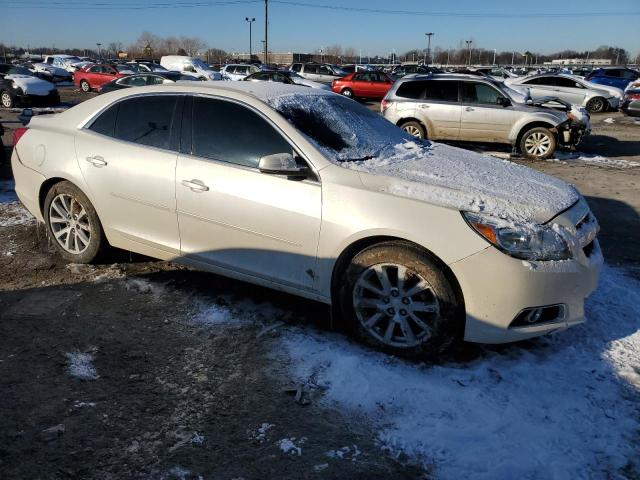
x=343 y=129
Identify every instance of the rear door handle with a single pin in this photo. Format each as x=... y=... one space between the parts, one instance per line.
x=469 y=109
x=195 y=185
x=97 y=161
x=423 y=106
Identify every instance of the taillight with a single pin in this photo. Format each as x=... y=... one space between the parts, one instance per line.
x=17 y=134
x=384 y=104
x=633 y=96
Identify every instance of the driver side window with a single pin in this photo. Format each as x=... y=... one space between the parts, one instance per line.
x=479 y=93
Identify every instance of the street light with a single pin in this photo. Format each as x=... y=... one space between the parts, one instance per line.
x=494 y=56
x=428 y=53
x=469 y=42
x=98 y=45
x=249 y=21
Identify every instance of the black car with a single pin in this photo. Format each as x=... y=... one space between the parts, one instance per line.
x=272 y=76
x=19 y=86
x=144 y=79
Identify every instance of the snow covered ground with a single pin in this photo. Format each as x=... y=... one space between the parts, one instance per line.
x=565 y=407
x=598 y=160
x=11 y=211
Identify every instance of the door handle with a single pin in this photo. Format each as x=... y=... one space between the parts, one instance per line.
x=469 y=109
x=424 y=106
x=195 y=185
x=97 y=161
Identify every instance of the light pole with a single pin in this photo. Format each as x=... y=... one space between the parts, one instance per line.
x=321 y=58
x=98 y=45
x=494 y=56
x=469 y=42
x=249 y=21
x=266 y=31
x=428 y=52
x=513 y=58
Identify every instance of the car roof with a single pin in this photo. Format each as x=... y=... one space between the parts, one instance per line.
x=442 y=76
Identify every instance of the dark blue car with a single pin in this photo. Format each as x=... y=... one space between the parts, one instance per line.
x=615 y=77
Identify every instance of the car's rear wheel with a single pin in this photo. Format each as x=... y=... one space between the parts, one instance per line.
x=6 y=99
x=347 y=92
x=597 y=105
x=539 y=143
x=415 y=129
x=396 y=298
x=84 y=85
x=73 y=223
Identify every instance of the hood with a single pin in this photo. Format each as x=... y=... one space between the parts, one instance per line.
x=31 y=85
x=467 y=181
x=309 y=83
x=616 y=92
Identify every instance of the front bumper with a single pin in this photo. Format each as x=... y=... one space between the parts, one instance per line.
x=25 y=99
x=497 y=288
x=571 y=133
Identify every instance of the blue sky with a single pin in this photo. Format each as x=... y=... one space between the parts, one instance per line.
x=506 y=25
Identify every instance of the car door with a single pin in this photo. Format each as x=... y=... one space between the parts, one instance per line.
x=439 y=109
x=360 y=84
x=325 y=74
x=483 y=118
x=540 y=86
x=92 y=75
x=310 y=72
x=380 y=84
x=230 y=214
x=128 y=157
x=570 y=90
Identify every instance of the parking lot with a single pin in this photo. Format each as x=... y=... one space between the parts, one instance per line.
x=135 y=368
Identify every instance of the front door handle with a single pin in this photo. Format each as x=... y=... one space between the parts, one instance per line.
x=469 y=109
x=423 y=106
x=195 y=185
x=97 y=161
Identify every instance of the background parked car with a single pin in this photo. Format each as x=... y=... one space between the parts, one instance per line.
x=70 y=63
x=471 y=108
x=189 y=66
x=238 y=71
x=631 y=104
x=595 y=98
x=614 y=77
x=318 y=72
x=50 y=73
x=407 y=69
x=143 y=79
x=149 y=67
x=94 y=76
x=373 y=85
x=19 y=86
x=284 y=76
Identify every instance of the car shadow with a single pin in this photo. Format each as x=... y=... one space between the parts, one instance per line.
x=599 y=144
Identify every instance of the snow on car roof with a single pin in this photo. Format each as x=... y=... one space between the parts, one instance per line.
x=265 y=91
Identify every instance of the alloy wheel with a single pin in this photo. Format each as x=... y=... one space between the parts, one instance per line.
x=6 y=99
x=596 y=105
x=85 y=86
x=69 y=223
x=412 y=130
x=395 y=305
x=537 y=144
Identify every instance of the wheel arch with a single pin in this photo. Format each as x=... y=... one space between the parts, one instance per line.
x=47 y=185
x=351 y=250
x=535 y=124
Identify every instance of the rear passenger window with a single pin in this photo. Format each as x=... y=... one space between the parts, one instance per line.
x=229 y=132
x=105 y=124
x=442 y=91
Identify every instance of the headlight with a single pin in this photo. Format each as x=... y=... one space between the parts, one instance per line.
x=524 y=241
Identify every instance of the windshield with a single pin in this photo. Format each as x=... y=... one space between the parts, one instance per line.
x=342 y=128
x=19 y=71
x=291 y=74
x=200 y=64
x=72 y=59
x=129 y=67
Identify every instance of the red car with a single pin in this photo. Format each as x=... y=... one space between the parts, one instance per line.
x=363 y=85
x=92 y=77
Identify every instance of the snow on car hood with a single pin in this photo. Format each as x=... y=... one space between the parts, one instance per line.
x=467 y=181
x=31 y=85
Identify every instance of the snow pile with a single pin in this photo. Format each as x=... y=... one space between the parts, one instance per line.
x=598 y=160
x=353 y=137
x=560 y=409
x=80 y=365
x=12 y=213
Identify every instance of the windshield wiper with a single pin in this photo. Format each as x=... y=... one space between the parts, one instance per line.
x=368 y=157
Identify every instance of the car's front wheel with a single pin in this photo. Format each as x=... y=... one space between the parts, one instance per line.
x=84 y=85
x=397 y=298
x=73 y=224
x=6 y=99
x=415 y=129
x=597 y=105
x=539 y=143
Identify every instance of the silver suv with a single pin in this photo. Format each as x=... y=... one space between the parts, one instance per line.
x=459 y=107
x=318 y=72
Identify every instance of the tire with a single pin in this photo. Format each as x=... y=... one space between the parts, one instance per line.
x=84 y=85
x=539 y=143
x=415 y=129
x=6 y=99
x=85 y=238
x=432 y=313
x=597 y=105
x=347 y=92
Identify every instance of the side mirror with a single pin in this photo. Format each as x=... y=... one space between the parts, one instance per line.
x=281 y=164
x=25 y=116
x=504 y=101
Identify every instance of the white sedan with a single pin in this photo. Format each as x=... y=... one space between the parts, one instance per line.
x=570 y=88
x=308 y=192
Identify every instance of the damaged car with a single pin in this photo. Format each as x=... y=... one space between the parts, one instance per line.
x=471 y=108
x=411 y=243
x=20 y=87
